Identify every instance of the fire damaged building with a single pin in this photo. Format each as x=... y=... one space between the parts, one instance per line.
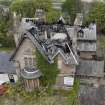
x=73 y=46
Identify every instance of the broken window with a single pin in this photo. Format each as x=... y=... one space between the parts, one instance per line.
x=80 y=33
x=26 y=61
x=29 y=62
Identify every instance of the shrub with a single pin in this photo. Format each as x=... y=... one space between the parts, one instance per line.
x=49 y=71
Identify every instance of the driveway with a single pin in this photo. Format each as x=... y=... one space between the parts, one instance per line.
x=6 y=67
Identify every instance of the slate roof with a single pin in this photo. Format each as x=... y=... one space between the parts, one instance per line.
x=53 y=45
x=5 y=65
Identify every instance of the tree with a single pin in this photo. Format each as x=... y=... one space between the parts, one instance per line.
x=27 y=7
x=5 y=2
x=52 y=16
x=6 y=39
x=69 y=7
x=97 y=13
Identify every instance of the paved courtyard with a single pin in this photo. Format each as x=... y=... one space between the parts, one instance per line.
x=5 y=65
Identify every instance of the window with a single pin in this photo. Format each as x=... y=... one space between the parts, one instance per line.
x=29 y=62
x=80 y=33
x=34 y=62
x=26 y=61
x=68 y=81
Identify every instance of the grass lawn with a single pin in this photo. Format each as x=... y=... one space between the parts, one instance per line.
x=16 y=95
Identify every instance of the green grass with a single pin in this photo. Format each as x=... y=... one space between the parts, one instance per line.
x=73 y=96
x=16 y=95
x=6 y=49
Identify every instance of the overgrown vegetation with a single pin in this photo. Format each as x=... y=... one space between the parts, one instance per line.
x=52 y=16
x=6 y=38
x=97 y=13
x=73 y=96
x=49 y=71
x=27 y=8
x=5 y=2
x=69 y=7
x=16 y=95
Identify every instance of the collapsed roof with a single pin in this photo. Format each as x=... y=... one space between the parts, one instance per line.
x=51 y=40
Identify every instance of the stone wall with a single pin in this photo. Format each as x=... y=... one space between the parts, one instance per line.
x=64 y=71
x=87 y=55
x=26 y=50
x=91 y=68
